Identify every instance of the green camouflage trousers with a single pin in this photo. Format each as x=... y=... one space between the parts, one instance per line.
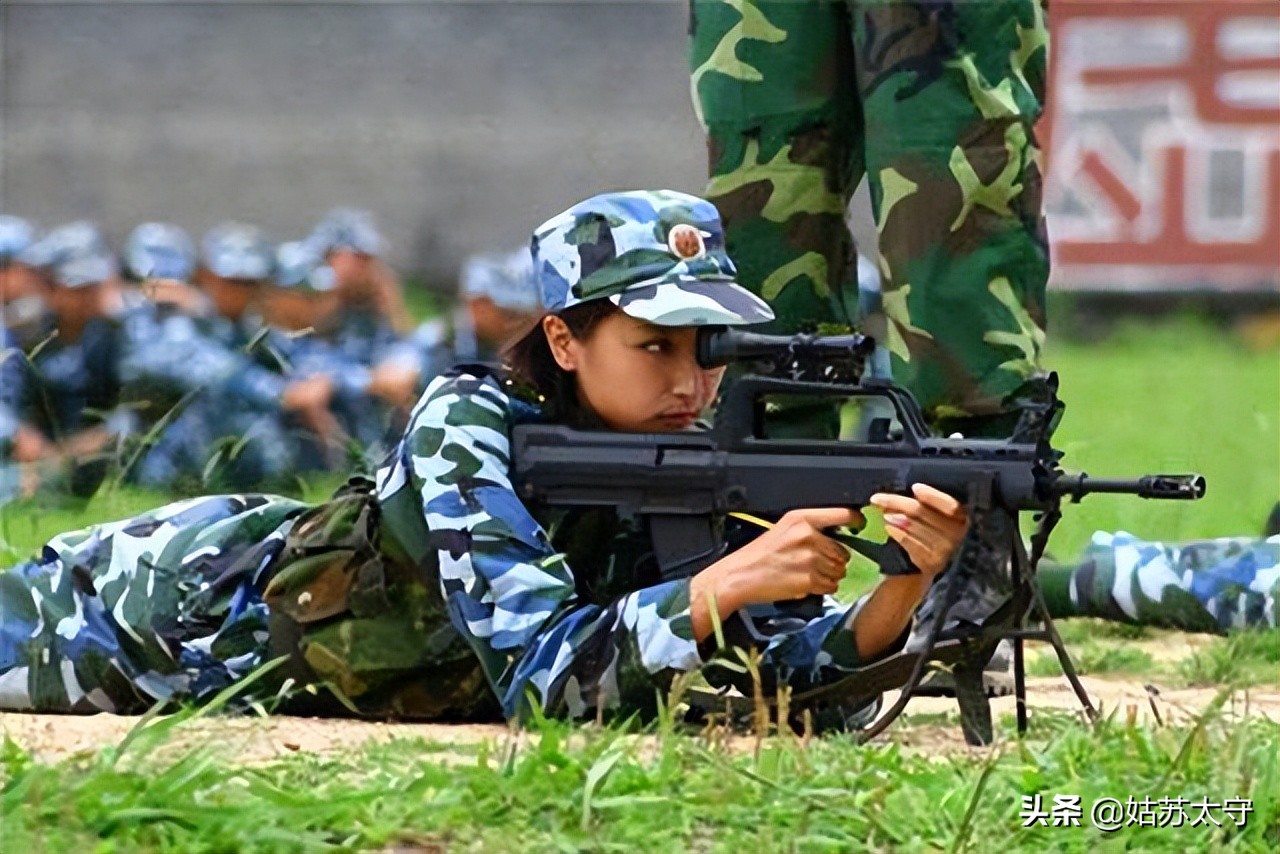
x=934 y=101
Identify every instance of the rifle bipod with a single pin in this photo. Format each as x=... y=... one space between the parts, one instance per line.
x=974 y=651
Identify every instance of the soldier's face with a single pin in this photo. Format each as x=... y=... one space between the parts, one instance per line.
x=353 y=272
x=75 y=305
x=18 y=281
x=294 y=311
x=231 y=297
x=494 y=325
x=635 y=376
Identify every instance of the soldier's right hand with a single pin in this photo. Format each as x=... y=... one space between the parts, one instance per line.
x=791 y=560
x=308 y=394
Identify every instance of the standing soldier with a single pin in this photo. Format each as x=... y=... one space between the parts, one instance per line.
x=934 y=102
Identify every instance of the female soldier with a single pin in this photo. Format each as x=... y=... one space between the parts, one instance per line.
x=437 y=591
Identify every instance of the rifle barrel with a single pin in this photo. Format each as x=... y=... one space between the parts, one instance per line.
x=1181 y=487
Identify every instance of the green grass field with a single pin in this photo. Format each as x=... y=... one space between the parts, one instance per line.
x=1174 y=396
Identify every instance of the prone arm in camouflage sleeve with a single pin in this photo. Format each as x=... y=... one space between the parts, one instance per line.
x=508 y=591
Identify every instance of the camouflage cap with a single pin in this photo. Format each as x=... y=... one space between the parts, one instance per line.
x=656 y=254
x=301 y=268
x=82 y=270
x=74 y=255
x=233 y=250
x=16 y=234
x=73 y=237
x=160 y=250
x=505 y=278
x=345 y=228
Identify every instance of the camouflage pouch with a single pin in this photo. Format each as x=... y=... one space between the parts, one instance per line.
x=329 y=567
x=328 y=557
x=371 y=629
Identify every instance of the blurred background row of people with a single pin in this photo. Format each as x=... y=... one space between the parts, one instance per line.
x=241 y=364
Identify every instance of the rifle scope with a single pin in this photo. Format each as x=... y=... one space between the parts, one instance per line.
x=719 y=346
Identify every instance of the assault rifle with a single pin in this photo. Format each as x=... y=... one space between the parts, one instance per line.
x=683 y=483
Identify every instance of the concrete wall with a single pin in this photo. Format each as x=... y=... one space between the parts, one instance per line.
x=461 y=124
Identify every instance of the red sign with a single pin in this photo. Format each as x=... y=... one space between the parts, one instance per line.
x=1163 y=132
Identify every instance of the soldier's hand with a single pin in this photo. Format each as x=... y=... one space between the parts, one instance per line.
x=394 y=382
x=929 y=526
x=311 y=393
x=29 y=445
x=791 y=560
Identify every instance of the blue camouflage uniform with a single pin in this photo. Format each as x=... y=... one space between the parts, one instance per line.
x=434 y=592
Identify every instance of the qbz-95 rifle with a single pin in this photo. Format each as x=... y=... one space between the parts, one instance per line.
x=681 y=483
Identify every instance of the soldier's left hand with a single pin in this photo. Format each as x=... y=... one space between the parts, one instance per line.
x=929 y=525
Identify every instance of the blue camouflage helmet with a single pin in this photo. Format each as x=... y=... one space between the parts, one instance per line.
x=505 y=278
x=16 y=234
x=234 y=250
x=300 y=267
x=160 y=250
x=657 y=254
x=345 y=228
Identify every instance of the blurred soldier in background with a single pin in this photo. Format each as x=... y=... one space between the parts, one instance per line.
x=21 y=285
x=373 y=309
x=370 y=324
x=71 y=391
x=160 y=259
x=158 y=370
x=498 y=295
x=20 y=305
x=304 y=295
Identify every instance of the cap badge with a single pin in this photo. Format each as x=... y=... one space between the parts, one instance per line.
x=685 y=241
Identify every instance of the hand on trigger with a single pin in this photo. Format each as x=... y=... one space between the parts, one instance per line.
x=929 y=525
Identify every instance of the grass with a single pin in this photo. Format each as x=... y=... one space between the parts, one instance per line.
x=1176 y=396
x=561 y=788
x=1241 y=658
x=1094 y=658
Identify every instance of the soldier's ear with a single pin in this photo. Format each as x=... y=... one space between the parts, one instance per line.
x=561 y=342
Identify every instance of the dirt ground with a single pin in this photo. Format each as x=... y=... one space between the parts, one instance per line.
x=51 y=738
